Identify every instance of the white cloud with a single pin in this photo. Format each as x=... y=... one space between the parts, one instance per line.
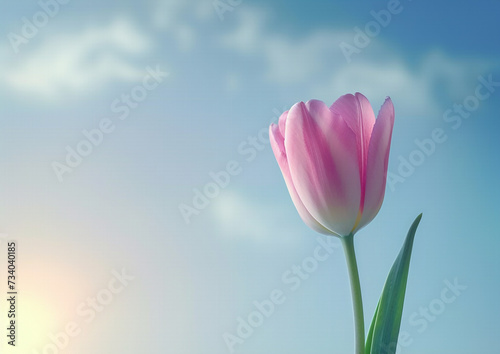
x=411 y=92
x=416 y=91
x=173 y=16
x=79 y=63
x=247 y=36
x=315 y=62
x=288 y=60
x=236 y=216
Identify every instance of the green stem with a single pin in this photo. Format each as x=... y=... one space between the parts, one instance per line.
x=357 y=301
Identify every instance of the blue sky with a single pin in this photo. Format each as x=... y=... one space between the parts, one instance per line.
x=221 y=80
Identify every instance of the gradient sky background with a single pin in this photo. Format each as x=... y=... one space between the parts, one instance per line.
x=228 y=79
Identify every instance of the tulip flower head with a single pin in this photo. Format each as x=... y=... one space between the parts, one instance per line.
x=334 y=161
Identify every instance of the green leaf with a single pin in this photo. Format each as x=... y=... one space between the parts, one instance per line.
x=384 y=331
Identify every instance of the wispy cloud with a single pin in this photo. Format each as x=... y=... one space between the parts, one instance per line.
x=288 y=60
x=418 y=91
x=80 y=62
x=315 y=61
x=176 y=17
x=238 y=217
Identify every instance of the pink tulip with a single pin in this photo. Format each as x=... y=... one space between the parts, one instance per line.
x=334 y=161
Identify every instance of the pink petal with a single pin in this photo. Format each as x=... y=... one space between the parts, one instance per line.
x=358 y=114
x=282 y=122
x=378 y=159
x=322 y=157
x=277 y=144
